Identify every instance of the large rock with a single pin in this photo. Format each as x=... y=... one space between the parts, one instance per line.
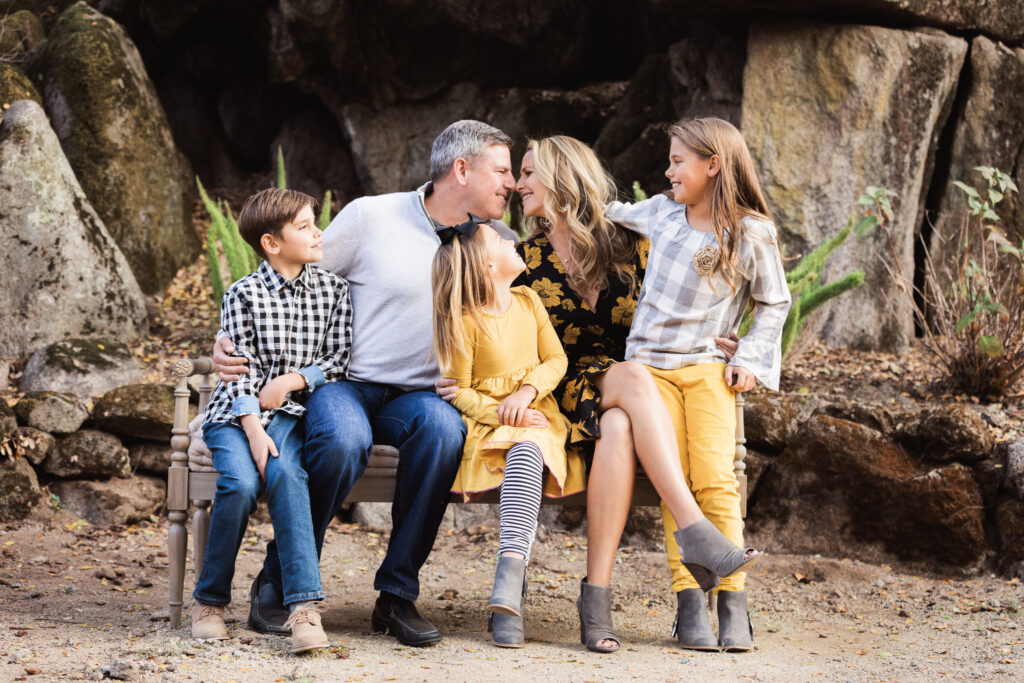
x=150 y=456
x=19 y=489
x=1010 y=522
x=15 y=86
x=83 y=367
x=989 y=131
x=842 y=489
x=1014 y=481
x=32 y=444
x=115 y=134
x=89 y=453
x=302 y=140
x=52 y=411
x=769 y=420
x=829 y=110
x=20 y=33
x=117 y=501
x=952 y=432
x=52 y=289
x=143 y=411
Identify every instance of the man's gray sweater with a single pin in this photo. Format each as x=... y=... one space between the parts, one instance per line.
x=384 y=246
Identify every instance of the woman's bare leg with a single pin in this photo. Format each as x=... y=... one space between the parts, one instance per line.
x=630 y=387
x=609 y=493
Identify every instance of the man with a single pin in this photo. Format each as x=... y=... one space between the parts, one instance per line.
x=384 y=246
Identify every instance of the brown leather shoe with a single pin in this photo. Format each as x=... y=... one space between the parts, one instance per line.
x=208 y=623
x=307 y=631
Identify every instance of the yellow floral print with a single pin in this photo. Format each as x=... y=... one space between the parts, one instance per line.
x=622 y=313
x=550 y=292
x=531 y=256
x=570 y=335
x=568 y=305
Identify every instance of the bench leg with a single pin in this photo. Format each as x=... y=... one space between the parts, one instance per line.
x=200 y=530
x=177 y=541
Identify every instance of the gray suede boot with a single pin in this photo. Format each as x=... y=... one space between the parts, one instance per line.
x=509 y=586
x=506 y=631
x=735 y=632
x=692 y=625
x=708 y=554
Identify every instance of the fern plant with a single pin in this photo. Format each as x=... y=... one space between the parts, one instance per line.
x=223 y=238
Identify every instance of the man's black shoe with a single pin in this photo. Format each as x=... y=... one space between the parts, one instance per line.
x=399 y=617
x=267 y=614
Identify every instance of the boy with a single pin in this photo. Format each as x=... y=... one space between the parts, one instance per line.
x=292 y=321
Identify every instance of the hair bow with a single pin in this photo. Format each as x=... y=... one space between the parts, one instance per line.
x=466 y=229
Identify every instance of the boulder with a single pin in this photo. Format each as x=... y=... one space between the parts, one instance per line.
x=952 y=432
x=115 y=134
x=32 y=444
x=251 y=112
x=756 y=465
x=52 y=289
x=143 y=411
x=8 y=422
x=89 y=453
x=861 y=105
x=20 y=33
x=769 y=420
x=1010 y=522
x=150 y=456
x=1014 y=478
x=83 y=367
x=303 y=139
x=989 y=131
x=19 y=489
x=376 y=516
x=116 y=501
x=843 y=489
x=15 y=86
x=52 y=411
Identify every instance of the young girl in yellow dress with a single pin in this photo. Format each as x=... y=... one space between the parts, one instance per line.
x=497 y=342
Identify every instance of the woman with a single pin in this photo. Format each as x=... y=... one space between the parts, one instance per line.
x=587 y=272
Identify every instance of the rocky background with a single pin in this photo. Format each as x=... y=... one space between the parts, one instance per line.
x=111 y=108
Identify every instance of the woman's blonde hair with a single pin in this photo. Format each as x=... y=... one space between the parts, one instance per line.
x=735 y=190
x=579 y=188
x=462 y=286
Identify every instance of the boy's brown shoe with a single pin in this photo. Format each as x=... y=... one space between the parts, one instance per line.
x=208 y=623
x=307 y=632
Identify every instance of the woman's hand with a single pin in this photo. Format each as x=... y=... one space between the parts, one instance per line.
x=228 y=367
x=728 y=345
x=446 y=388
x=512 y=410
x=739 y=379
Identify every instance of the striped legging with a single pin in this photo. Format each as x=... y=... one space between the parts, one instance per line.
x=520 y=498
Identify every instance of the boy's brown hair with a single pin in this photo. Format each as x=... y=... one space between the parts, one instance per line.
x=268 y=211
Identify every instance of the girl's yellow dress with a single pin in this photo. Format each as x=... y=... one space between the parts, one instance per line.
x=516 y=348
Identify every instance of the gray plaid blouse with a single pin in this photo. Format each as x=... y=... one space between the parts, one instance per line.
x=680 y=312
x=302 y=325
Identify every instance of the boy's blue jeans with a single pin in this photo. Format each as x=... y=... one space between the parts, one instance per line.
x=238 y=487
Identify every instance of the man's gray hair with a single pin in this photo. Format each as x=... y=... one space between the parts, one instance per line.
x=466 y=139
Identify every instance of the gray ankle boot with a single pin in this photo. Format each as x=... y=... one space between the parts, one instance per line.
x=506 y=631
x=735 y=632
x=692 y=626
x=509 y=586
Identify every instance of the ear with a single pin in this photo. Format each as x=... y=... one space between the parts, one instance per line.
x=714 y=165
x=269 y=244
x=459 y=168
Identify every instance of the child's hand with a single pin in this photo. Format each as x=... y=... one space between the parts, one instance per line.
x=739 y=379
x=728 y=345
x=512 y=410
x=273 y=394
x=260 y=444
x=534 y=418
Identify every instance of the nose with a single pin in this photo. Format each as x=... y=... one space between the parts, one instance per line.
x=668 y=172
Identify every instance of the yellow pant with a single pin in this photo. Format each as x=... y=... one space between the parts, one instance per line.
x=703 y=410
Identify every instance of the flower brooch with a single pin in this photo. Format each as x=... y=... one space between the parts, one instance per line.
x=705 y=260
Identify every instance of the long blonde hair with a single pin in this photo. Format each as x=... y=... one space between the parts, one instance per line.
x=462 y=286
x=578 y=188
x=735 y=191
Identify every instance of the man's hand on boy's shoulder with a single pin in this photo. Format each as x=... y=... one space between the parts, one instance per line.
x=227 y=366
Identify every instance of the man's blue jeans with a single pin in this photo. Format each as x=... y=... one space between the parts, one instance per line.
x=238 y=487
x=343 y=421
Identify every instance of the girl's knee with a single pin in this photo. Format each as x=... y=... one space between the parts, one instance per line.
x=617 y=429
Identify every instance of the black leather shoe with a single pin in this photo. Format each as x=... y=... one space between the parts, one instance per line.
x=267 y=613
x=398 y=617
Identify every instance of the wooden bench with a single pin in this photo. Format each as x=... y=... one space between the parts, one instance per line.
x=185 y=486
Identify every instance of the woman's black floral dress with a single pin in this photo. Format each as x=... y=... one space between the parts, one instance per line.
x=594 y=340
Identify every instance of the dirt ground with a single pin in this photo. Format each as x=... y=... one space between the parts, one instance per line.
x=84 y=603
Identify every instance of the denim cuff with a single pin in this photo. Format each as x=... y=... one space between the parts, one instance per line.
x=245 y=405
x=314 y=376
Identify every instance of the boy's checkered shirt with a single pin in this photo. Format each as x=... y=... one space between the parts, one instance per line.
x=280 y=326
x=680 y=311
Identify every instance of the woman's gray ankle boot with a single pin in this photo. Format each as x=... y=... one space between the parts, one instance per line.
x=735 y=632
x=693 y=627
x=509 y=586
